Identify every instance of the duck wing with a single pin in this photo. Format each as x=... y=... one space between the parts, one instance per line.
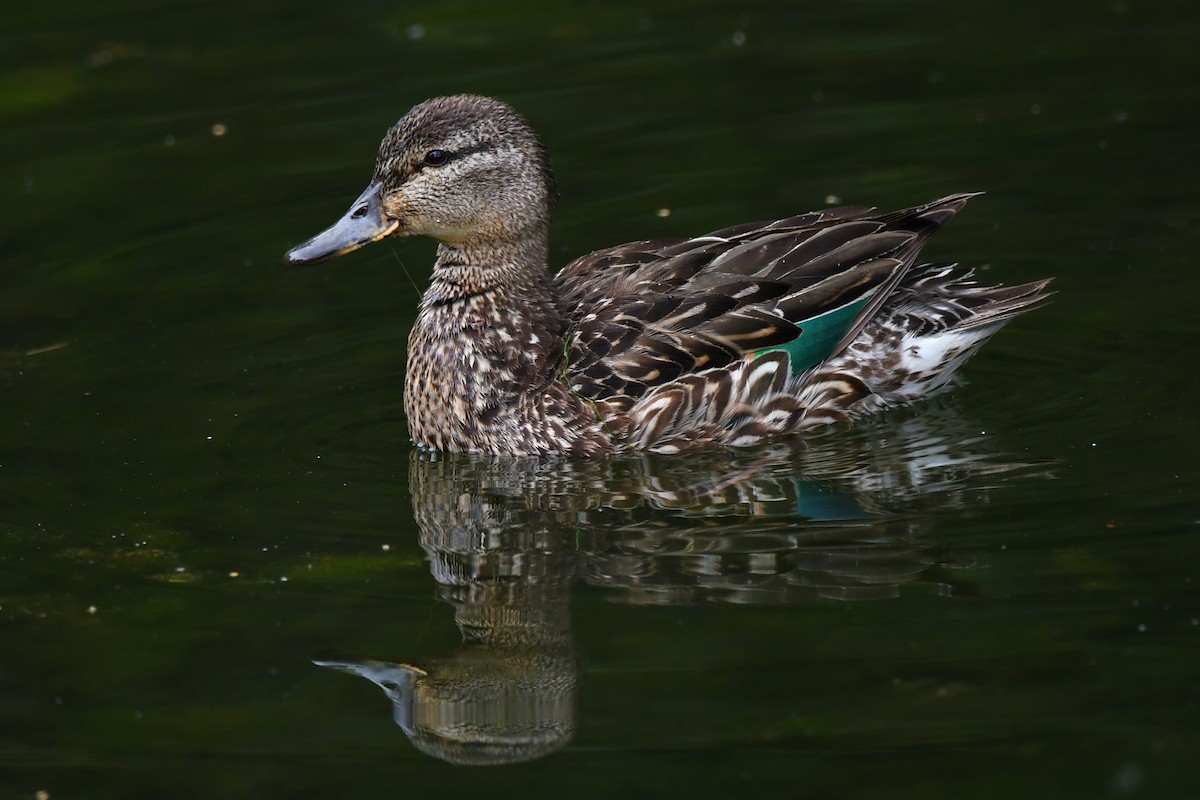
x=647 y=313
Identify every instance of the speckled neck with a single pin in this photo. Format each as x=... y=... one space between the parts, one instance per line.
x=485 y=356
x=516 y=269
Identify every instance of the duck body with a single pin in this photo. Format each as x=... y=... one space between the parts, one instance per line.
x=731 y=338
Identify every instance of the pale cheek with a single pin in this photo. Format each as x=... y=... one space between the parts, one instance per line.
x=422 y=213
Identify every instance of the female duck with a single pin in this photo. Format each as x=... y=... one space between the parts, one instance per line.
x=731 y=338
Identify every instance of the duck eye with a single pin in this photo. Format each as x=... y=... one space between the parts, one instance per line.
x=435 y=158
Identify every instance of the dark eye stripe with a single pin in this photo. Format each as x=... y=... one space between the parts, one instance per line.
x=454 y=155
x=475 y=148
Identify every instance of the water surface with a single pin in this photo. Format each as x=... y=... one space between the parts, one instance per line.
x=214 y=535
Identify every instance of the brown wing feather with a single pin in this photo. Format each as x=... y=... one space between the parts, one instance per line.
x=647 y=313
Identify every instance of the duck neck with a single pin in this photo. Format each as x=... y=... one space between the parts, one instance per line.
x=511 y=270
x=493 y=305
x=484 y=350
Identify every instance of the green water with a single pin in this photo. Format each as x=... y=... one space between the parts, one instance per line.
x=206 y=484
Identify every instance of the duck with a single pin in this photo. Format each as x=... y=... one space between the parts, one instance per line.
x=728 y=339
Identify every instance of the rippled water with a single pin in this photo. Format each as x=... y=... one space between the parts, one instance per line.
x=223 y=571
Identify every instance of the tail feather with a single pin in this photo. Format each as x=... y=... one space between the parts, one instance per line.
x=1006 y=302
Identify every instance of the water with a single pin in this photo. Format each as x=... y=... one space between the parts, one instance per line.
x=207 y=489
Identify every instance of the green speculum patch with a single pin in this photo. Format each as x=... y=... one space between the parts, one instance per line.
x=819 y=334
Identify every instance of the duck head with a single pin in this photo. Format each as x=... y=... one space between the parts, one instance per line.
x=465 y=170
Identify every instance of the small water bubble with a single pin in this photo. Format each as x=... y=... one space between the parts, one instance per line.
x=832 y=199
x=283 y=579
x=91 y=609
x=41 y=794
x=738 y=38
x=415 y=32
x=1141 y=628
x=663 y=212
x=1036 y=108
x=386 y=547
x=169 y=140
x=1120 y=115
x=234 y=574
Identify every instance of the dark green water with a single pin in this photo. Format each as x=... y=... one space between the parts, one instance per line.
x=206 y=483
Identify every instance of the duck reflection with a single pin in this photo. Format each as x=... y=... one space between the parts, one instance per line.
x=841 y=518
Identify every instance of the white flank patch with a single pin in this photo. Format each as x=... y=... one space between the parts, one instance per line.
x=937 y=352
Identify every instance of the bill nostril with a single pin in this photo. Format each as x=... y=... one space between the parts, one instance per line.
x=359 y=212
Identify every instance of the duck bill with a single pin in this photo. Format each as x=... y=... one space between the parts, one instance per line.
x=362 y=224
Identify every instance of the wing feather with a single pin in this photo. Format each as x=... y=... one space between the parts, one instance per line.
x=649 y=313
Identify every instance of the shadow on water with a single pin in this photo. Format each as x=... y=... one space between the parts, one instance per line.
x=845 y=518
